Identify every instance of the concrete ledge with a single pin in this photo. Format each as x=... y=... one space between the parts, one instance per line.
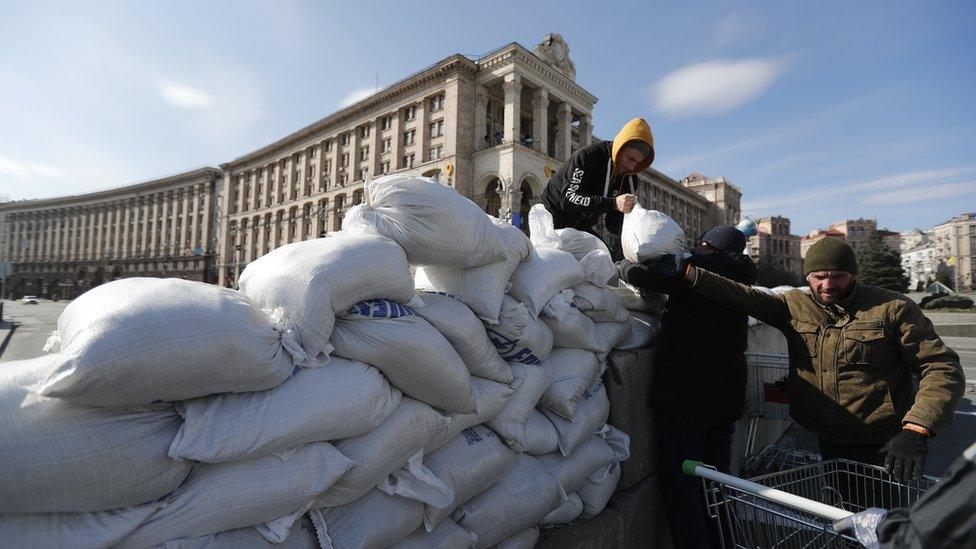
x=606 y=530
x=645 y=521
x=628 y=381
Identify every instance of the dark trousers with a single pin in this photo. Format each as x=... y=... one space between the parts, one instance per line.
x=687 y=436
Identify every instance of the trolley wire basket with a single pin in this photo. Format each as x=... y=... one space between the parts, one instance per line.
x=798 y=507
x=775 y=458
x=764 y=398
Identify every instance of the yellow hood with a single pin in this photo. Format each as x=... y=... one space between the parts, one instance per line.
x=636 y=130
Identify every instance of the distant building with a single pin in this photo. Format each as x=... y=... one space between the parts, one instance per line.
x=720 y=192
x=815 y=236
x=920 y=264
x=912 y=239
x=856 y=232
x=955 y=245
x=773 y=247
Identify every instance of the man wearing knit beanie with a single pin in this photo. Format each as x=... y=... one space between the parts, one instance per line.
x=854 y=350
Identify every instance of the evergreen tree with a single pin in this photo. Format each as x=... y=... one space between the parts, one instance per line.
x=879 y=265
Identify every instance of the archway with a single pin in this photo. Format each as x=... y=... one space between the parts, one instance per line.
x=525 y=205
x=493 y=202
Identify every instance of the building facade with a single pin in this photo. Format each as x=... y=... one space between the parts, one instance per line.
x=719 y=191
x=955 y=245
x=60 y=247
x=774 y=248
x=494 y=128
x=920 y=265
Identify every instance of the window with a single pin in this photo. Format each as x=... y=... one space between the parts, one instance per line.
x=361 y=175
x=436 y=103
x=364 y=132
x=387 y=145
x=364 y=153
x=343 y=178
x=386 y=122
x=345 y=139
x=436 y=152
x=409 y=113
x=327 y=167
x=437 y=128
x=385 y=167
x=345 y=160
x=408 y=137
x=408 y=160
x=327 y=146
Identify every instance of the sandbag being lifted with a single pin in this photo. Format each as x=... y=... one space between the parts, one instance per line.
x=649 y=234
x=433 y=223
x=143 y=340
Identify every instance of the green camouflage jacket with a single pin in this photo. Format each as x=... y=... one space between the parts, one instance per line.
x=851 y=367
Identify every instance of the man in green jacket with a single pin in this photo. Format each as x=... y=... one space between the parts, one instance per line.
x=853 y=351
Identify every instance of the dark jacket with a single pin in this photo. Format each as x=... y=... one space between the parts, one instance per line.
x=701 y=366
x=584 y=188
x=852 y=366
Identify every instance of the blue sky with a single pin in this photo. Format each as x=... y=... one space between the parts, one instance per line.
x=819 y=112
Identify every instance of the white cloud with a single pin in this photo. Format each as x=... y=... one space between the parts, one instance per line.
x=357 y=96
x=922 y=194
x=714 y=87
x=27 y=170
x=185 y=96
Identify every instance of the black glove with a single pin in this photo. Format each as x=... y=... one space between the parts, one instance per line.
x=666 y=266
x=906 y=455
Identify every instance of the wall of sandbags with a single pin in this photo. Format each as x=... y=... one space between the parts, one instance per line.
x=337 y=400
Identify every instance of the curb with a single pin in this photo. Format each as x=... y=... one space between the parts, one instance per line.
x=6 y=338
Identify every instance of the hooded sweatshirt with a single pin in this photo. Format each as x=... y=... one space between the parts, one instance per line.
x=588 y=184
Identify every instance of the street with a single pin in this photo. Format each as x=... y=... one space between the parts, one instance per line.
x=34 y=324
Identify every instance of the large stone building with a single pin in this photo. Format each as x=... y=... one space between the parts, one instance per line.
x=494 y=128
x=60 y=247
x=774 y=249
x=955 y=246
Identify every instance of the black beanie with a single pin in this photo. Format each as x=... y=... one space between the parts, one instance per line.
x=726 y=238
x=830 y=254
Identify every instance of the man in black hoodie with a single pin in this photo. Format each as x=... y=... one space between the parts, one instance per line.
x=700 y=376
x=600 y=179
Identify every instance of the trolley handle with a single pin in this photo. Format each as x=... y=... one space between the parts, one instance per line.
x=694 y=468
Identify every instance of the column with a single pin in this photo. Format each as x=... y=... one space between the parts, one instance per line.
x=335 y=158
x=304 y=169
x=83 y=240
x=586 y=130
x=155 y=220
x=253 y=175
x=396 y=143
x=175 y=237
x=564 y=134
x=207 y=191
x=480 y=118
x=422 y=137
x=98 y=232
x=147 y=210
x=513 y=107
x=540 y=120
x=374 y=152
x=55 y=254
x=354 y=145
x=194 y=218
x=122 y=248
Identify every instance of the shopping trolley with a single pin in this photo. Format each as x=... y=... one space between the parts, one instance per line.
x=799 y=507
x=764 y=399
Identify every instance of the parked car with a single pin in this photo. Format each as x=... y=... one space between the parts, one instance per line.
x=30 y=300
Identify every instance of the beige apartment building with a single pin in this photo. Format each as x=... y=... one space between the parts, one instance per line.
x=773 y=247
x=494 y=128
x=60 y=247
x=955 y=246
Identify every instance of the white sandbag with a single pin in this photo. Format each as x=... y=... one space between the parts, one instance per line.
x=480 y=288
x=433 y=223
x=573 y=371
x=612 y=334
x=644 y=330
x=314 y=280
x=411 y=353
x=58 y=456
x=558 y=307
x=576 y=330
x=341 y=400
x=469 y=464
x=384 y=450
x=374 y=521
x=490 y=397
x=596 y=494
x=540 y=435
x=569 y=511
x=526 y=539
x=224 y=496
x=598 y=268
x=544 y=274
x=600 y=304
x=76 y=530
x=511 y=422
x=544 y=235
x=519 y=336
x=466 y=333
x=649 y=234
x=301 y=536
x=142 y=340
x=591 y=414
x=572 y=471
x=644 y=301
x=518 y=500
x=447 y=535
